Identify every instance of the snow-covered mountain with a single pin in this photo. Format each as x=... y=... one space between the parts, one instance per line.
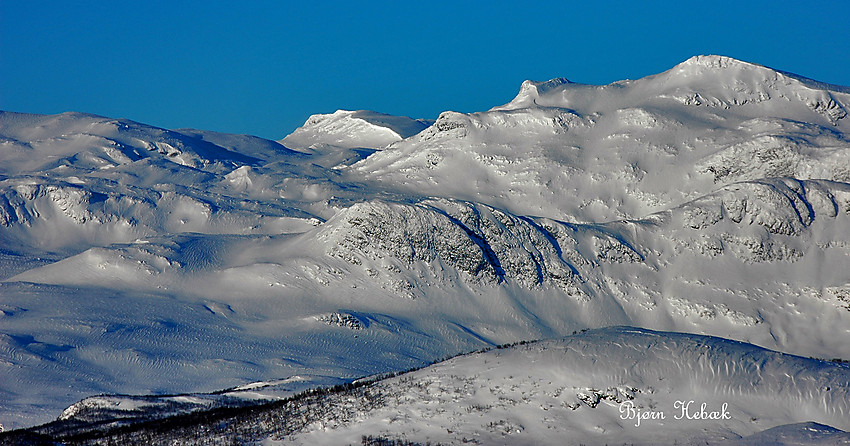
x=712 y=199
x=614 y=385
x=584 y=152
x=353 y=129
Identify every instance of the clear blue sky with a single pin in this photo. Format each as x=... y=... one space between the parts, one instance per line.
x=262 y=67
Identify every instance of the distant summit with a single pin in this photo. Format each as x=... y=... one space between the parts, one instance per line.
x=353 y=129
x=531 y=90
x=713 y=81
x=712 y=63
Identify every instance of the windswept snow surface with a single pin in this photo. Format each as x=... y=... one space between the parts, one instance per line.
x=712 y=198
x=607 y=386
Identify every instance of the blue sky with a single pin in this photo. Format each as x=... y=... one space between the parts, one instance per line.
x=262 y=68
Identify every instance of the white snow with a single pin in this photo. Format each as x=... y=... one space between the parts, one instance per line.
x=353 y=129
x=609 y=386
x=712 y=198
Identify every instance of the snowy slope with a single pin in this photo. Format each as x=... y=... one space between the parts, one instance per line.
x=605 y=386
x=583 y=387
x=71 y=181
x=593 y=153
x=712 y=198
x=353 y=129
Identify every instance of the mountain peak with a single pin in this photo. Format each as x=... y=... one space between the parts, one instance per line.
x=715 y=64
x=545 y=86
x=714 y=61
x=530 y=91
x=724 y=67
x=353 y=128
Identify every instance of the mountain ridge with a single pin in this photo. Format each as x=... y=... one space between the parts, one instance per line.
x=575 y=383
x=235 y=259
